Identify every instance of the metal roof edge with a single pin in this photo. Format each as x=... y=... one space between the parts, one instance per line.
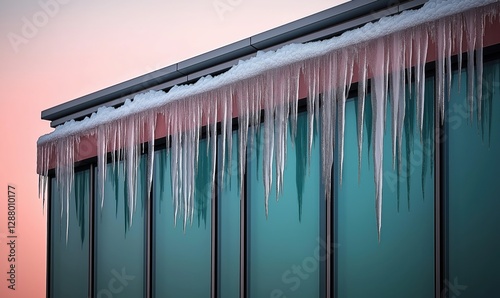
x=327 y=23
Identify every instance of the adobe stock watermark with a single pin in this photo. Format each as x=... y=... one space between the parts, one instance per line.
x=454 y=289
x=294 y=276
x=31 y=26
x=116 y=284
x=222 y=7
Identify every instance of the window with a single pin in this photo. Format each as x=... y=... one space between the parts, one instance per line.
x=119 y=245
x=229 y=225
x=181 y=257
x=402 y=263
x=472 y=188
x=69 y=257
x=285 y=249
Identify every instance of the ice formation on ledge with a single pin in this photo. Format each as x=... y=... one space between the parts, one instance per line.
x=389 y=52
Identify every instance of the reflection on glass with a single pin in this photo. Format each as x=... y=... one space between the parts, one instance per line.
x=286 y=250
x=473 y=167
x=229 y=226
x=181 y=259
x=69 y=261
x=119 y=254
x=402 y=264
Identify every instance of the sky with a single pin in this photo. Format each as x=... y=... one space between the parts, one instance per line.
x=53 y=51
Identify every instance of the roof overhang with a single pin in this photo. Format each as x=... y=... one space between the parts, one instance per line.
x=322 y=25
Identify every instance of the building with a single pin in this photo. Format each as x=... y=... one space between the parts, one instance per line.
x=261 y=180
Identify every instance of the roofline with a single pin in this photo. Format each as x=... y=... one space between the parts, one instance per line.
x=322 y=25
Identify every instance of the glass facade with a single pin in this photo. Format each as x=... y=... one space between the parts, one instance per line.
x=402 y=263
x=472 y=187
x=69 y=258
x=181 y=255
x=120 y=239
x=229 y=201
x=235 y=248
x=285 y=248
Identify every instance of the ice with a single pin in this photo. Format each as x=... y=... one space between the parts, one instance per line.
x=362 y=80
x=379 y=95
x=267 y=166
x=397 y=95
x=390 y=53
x=328 y=120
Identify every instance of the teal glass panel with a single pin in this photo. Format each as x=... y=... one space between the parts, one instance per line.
x=286 y=250
x=473 y=167
x=181 y=258
x=402 y=264
x=120 y=240
x=229 y=224
x=69 y=262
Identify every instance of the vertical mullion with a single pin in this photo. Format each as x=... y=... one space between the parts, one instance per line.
x=215 y=234
x=91 y=230
x=148 y=254
x=49 y=237
x=330 y=278
x=243 y=235
x=438 y=200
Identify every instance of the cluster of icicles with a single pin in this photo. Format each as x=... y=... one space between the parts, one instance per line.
x=389 y=53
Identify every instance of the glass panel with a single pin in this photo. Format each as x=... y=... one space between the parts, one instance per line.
x=69 y=262
x=119 y=245
x=229 y=225
x=284 y=250
x=402 y=264
x=181 y=258
x=473 y=186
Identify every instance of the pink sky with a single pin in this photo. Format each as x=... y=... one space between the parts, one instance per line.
x=52 y=51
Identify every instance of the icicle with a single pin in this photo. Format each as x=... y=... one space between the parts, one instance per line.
x=212 y=136
x=175 y=158
x=131 y=163
x=409 y=57
x=479 y=62
x=311 y=76
x=362 y=79
x=328 y=120
x=281 y=98
x=458 y=35
x=421 y=45
x=43 y=157
x=243 y=123
x=151 y=127
x=228 y=94
x=440 y=69
x=397 y=95
x=449 y=74
x=470 y=21
x=343 y=85
x=223 y=104
x=65 y=149
x=293 y=97
x=378 y=95
x=102 y=140
x=268 y=140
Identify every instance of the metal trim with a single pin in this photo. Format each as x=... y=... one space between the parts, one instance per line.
x=243 y=236
x=91 y=230
x=214 y=288
x=148 y=241
x=331 y=22
x=49 y=238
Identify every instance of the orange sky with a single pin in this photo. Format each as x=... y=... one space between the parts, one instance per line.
x=52 y=51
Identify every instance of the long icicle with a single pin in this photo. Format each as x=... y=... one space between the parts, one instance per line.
x=378 y=111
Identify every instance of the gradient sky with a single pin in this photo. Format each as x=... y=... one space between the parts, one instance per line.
x=52 y=51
